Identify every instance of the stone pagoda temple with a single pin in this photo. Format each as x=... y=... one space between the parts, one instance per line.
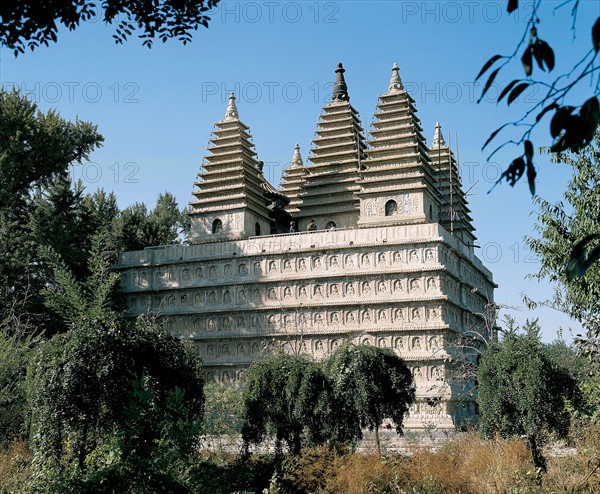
x=381 y=252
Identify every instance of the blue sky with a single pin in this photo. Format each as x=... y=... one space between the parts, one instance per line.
x=156 y=108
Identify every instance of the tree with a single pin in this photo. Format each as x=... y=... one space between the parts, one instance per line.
x=571 y=127
x=288 y=397
x=108 y=381
x=28 y=24
x=523 y=392
x=574 y=221
x=223 y=414
x=369 y=384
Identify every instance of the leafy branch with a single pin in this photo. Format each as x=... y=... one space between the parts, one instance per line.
x=571 y=127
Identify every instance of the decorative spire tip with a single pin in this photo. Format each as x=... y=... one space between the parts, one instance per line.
x=231 y=113
x=395 y=81
x=340 y=89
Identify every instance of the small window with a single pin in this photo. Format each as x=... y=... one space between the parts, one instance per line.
x=217 y=226
x=330 y=225
x=431 y=212
x=257 y=229
x=391 y=208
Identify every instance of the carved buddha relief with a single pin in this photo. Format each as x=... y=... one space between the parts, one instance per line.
x=287 y=292
x=334 y=262
x=364 y=260
x=350 y=289
x=212 y=272
x=227 y=297
x=381 y=287
x=199 y=272
x=416 y=343
x=302 y=264
x=287 y=265
x=257 y=268
x=413 y=256
x=431 y=284
x=228 y=270
x=272 y=266
x=242 y=270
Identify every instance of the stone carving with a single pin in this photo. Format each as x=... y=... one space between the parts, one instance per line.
x=433 y=314
x=364 y=260
x=431 y=284
x=225 y=349
x=335 y=318
x=366 y=316
x=255 y=349
x=273 y=320
x=414 y=285
x=334 y=262
x=228 y=323
x=318 y=291
x=366 y=341
x=171 y=300
x=240 y=349
x=399 y=343
x=416 y=314
x=242 y=296
x=227 y=270
x=241 y=322
x=413 y=256
x=255 y=321
x=382 y=343
x=227 y=297
x=212 y=272
x=185 y=275
x=303 y=292
x=436 y=374
x=199 y=272
x=302 y=264
x=318 y=319
x=417 y=374
x=211 y=324
x=366 y=287
x=349 y=261
x=350 y=288
x=256 y=295
x=381 y=258
x=210 y=350
x=397 y=286
x=416 y=343
x=287 y=265
x=398 y=315
x=429 y=255
x=242 y=270
x=334 y=344
x=272 y=266
x=396 y=257
x=212 y=297
x=381 y=287
x=319 y=346
x=171 y=275
x=382 y=315
x=434 y=343
x=350 y=317
x=287 y=292
x=257 y=268
x=334 y=290
x=317 y=264
x=271 y=294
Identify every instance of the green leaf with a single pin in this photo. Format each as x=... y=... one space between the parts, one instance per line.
x=527 y=61
x=545 y=110
x=507 y=89
x=547 y=54
x=492 y=135
x=488 y=84
x=559 y=120
x=528 y=149
x=516 y=92
x=488 y=64
x=512 y=5
x=596 y=35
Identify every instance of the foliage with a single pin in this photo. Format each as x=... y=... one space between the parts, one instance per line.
x=523 y=392
x=369 y=384
x=131 y=389
x=571 y=127
x=223 y=412
x=14 y=356
x=29 y=25
x=560 y=226
x=288 y=397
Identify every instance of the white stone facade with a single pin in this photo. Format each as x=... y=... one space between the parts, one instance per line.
x=397 y=270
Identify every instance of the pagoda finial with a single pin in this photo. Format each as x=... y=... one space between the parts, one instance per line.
x=438 y=137
x=395 y=81
x=340 y=89
x=231 y=113
x=297 y=159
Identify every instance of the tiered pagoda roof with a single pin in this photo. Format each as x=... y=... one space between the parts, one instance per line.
x=454 y=211
x=398 y=157
x=232 y=176
x=331 y=184
x=292 y=180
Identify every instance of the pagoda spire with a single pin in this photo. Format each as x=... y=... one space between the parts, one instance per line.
x=231 y=113
x=438 y=137
x=297 y=158
x=340 y=89
x=395 y=81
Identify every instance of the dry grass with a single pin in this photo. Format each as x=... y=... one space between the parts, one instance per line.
x=14 y=467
